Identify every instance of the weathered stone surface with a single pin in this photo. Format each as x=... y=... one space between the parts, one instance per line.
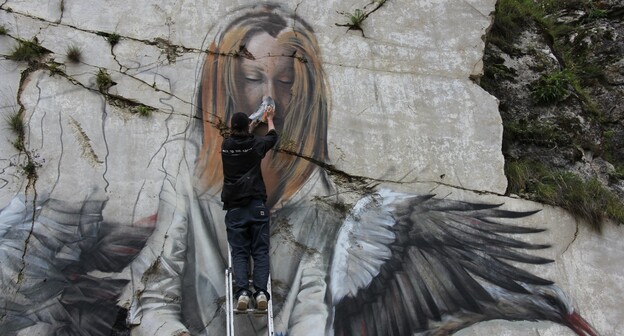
x=403 y=113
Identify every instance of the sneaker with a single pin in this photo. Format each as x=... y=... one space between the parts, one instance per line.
x=243 y=302
x=261 y=302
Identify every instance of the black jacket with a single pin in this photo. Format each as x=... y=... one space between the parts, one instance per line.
x=242 y=177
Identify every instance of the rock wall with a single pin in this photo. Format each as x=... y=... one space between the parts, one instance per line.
x=111 y=212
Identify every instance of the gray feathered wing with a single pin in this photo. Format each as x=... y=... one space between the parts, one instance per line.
x=48 y=253
x=405 y=263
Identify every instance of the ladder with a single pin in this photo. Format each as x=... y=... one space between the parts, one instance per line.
x=230 y=306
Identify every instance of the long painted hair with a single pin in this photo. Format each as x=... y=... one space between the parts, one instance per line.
x=303 y=139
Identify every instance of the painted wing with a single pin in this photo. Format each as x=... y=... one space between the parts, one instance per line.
x=48 y=251
x=404 y=262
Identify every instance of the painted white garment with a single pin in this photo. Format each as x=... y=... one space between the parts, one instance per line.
x=179 y=276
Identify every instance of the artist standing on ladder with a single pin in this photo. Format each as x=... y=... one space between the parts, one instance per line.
x=244 y=196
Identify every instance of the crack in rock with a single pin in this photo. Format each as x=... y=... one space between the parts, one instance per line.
x=576 y=233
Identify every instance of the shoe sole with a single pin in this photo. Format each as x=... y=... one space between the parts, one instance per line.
x=262 y=304
x=242 y=304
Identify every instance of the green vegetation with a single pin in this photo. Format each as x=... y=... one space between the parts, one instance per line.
x=74 y=54
x=16 y=125
x=514 y=16
x=542 y=133
x=103 y=80
x=589 y=200
x=144 y=111
x=359 y=15
x=356 y=18
x=567 y=87
x=27 y=51
x=511 y=19
x=553 y=87
x=54 y=69
x=3 y=30
x=113 y=39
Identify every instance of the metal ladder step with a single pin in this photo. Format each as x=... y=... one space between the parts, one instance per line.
x=230 y=305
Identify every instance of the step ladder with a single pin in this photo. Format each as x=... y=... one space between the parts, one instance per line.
x=230 y=306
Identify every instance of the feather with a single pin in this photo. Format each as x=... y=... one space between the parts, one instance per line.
x=50 y=246
x=402 y=261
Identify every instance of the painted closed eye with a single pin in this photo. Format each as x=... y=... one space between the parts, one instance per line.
x=285 y=80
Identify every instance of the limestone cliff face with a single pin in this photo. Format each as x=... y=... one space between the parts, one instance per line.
x=110 y=171
x=557 y=71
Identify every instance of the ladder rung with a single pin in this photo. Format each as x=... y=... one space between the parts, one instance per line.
x=251 y=311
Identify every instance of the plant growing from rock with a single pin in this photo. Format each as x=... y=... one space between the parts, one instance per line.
x=16 y=125
x=552 y=88
x=541 y=143
x=356 y=18
x=74 y=54
x=3 y=30
x=113 y=39
x=103 y=80
x=28 y=51
x=359 y=15
x=589 y=200
x=144 y=111
x=54 y=69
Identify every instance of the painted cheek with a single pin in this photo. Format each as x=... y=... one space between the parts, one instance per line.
x=253 y=95
x=282 y=98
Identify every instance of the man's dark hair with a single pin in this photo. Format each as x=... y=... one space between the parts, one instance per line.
x=240 y=124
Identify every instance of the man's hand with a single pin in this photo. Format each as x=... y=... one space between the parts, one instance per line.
x=253 y=125
x=270 y=113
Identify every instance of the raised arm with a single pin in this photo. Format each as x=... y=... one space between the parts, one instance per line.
x=270 y=113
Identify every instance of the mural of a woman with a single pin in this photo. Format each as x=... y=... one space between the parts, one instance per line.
x=399 y=264
x=263 y=51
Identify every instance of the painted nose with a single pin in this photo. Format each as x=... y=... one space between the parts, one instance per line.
x=269 y=90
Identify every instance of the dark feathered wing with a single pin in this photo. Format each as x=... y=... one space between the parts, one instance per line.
x=48 y=252
x=404 y=262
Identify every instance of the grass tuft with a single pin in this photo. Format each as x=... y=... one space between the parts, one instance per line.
x=553 y=87
x=74 y=54
x=357 y=17
x=589 y=200
x=103 y=80
x=113 y=39
x=27 y=51
x=144 y=111
x=16 y=124
x=3 y=31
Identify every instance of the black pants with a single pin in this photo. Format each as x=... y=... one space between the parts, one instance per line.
x=248 y=235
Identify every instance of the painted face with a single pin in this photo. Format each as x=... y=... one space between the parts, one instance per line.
x=269 y=74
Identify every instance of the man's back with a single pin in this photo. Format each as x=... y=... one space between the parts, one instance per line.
x=242 y=156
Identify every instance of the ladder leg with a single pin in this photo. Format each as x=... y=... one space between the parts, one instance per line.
x=229 y=301
x=229 y=297
x=270 y=309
